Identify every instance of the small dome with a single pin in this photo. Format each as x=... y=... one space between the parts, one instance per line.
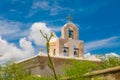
x=53 y=39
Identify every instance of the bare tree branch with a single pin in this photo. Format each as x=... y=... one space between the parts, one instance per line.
x=50 y=64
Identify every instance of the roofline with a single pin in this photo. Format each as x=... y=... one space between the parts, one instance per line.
x=20 y=61
x=52 y=56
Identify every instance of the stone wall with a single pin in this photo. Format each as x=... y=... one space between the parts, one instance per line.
x=106 y=74
x=38 y=65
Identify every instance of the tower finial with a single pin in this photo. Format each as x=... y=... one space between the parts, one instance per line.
x=69 y=18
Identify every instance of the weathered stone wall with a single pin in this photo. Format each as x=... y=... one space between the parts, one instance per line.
x=114 y=75
x=38 y=65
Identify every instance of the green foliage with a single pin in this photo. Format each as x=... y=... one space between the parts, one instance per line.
x=73 y=71
x=110 y=62
x=11 y=70
x=31 y=77
x=99 y=77
x=78 y=69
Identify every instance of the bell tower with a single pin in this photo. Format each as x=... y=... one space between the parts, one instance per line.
x=69 y=30
x=69 y=44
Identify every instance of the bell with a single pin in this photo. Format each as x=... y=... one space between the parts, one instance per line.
x=64 y=51
x=75 y=53
x=69 y=35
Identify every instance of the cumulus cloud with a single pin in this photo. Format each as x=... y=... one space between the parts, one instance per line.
x=25 y=49
x=112 y=54
x=105 y=43
x=35 y=34
x=96 y=57
x=26 y=46
x=89 y=56
x=9 y=50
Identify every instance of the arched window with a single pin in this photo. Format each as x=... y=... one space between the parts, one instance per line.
x=65 y=51
x=70 y=33
x=54 y=52
x=76 y=51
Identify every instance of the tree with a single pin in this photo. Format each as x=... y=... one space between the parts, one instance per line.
x=77 y=69
x=111 y=61
x=12 y=71
x=50 y=63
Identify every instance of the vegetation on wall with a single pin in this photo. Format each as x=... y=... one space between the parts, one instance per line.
x=73 y=71
x=77 y=70
x=111 y=61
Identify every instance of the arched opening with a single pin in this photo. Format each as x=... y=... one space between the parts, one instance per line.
x=54 y=52
x=76 y=51
x=70 y=32
x=65 y=50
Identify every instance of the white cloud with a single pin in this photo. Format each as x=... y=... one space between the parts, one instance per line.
x=12 y=29
x=35 y=34
x=41 y=4
x=9 y=50
x=37 y=6
x=105 y=43
x=89 y=56
x=96 y=57
x=54 y=8
x=112 y=54
x=5 y=27
x=26 y=46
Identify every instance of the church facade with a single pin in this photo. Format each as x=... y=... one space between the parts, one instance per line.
x=69 y=44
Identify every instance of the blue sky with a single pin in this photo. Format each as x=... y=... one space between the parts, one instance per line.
x=98 y=22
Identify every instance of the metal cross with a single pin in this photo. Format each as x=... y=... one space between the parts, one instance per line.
x=69 y=18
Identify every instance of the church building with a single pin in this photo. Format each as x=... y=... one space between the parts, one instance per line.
x=69 y=44
x=63 y=49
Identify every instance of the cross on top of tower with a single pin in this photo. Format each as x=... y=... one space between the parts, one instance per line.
x=69 y=18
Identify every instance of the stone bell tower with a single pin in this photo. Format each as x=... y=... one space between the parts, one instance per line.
x=69 y=44
x=69 y=30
